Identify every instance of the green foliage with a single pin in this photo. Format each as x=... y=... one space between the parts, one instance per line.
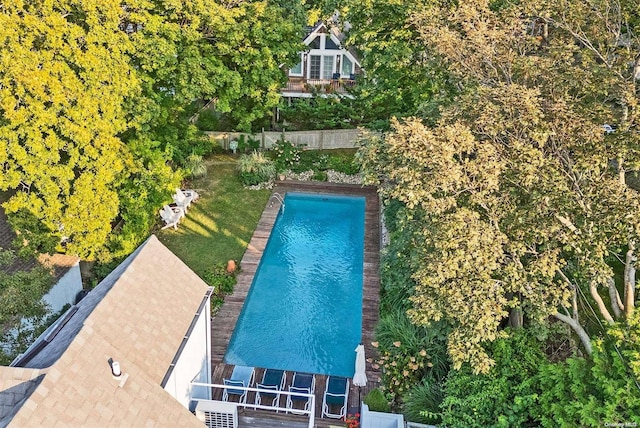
x=319 y=176
x=422 y=402
x=409 y=353
x=64 y=83
x=34 y=237
x=401 y=74
x=604 y=389
x=506 y=396
x=196 y=166
x=285 y=155
x=208 y=120
x=255 y=168
x=376 y=401
x=21 y=295
x=343 y=162
x=320 y=112
x=247 y=144
x=222 y=283
x=396 y=284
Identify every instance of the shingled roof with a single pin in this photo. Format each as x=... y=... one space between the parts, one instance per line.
x=138 y=316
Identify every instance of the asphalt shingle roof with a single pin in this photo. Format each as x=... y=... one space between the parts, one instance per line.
x=138 y=315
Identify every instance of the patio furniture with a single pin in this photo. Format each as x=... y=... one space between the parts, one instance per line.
x=171 y=216
x=241 y=376
x=274 y=380
x=335 y=396
x=301 y=383
x=183 y=198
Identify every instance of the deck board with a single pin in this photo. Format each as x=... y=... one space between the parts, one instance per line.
x=223 y=323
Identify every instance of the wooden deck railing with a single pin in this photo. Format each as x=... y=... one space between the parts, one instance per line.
x=338 y=86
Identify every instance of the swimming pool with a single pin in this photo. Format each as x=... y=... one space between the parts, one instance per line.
x=304 y=309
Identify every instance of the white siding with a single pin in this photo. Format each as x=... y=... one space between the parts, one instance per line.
x=193 y=363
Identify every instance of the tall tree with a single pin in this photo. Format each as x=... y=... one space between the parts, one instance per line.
x=400 y=76
x=518 y=191
x=63 y=79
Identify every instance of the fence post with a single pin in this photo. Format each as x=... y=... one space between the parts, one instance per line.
x=263 y=143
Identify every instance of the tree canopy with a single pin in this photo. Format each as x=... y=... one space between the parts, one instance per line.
x=94 y=106
x=516 y=194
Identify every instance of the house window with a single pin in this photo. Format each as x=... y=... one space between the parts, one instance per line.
x=297 y=70
x=314 y=66
x=330 y=44
x=315 y=43
x=347 y=66
x=327 y=67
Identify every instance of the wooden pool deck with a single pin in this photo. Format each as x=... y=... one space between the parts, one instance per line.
x=223 y=323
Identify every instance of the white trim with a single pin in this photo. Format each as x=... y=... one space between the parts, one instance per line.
x=301 y=74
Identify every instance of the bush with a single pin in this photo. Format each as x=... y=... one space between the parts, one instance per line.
x=422 y=402
x=507 y=396
x=255 y=168
x=195 y=166
x=208 y=120
x=285 y=155
x=343 y=163
x=409 y=353
x=222 y=283
x=376 y=401
x=246 y=144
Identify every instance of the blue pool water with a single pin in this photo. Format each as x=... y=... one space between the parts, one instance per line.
x=304 y=309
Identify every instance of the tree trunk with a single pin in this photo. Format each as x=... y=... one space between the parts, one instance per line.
x=601 y=306
x=516 y=317
x=614 y=296
x=577 y=328
x=629 y=281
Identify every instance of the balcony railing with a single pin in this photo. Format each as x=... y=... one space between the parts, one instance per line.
x=336 y=86
x=310 y=412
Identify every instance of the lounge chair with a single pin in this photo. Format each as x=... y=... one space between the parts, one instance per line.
x=241 y=376
x=336 y=394
x=183 y=198
x=301 y=383
x=271 y=380
x=171 y=216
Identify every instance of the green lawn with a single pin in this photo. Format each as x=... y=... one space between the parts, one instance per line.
x=219 y=226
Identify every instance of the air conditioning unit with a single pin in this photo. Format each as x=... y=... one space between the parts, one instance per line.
x=217 y=414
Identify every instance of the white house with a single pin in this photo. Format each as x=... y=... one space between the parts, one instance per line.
x=325 y=66
x=151 y=316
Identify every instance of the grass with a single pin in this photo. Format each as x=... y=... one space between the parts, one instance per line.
x=219 y=226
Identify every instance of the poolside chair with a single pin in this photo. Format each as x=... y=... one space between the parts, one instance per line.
x=271 y=380
x=241 y=376
x=301 y=383
x=335 y=396
x=183 y=198
x=171 y=216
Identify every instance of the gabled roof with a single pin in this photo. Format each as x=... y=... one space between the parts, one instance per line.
x=138 y=315
x=332 y=32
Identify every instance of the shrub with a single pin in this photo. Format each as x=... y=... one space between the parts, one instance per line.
x=208 y=120
x=285 y=155
x=246 y=144
x=319 y=176
x=506 y=396
x=255 y=168
x=344 y=163
x=422 y=402
x=376 y=401
x=222 y=283
x=409 y=353
x=195 y=166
